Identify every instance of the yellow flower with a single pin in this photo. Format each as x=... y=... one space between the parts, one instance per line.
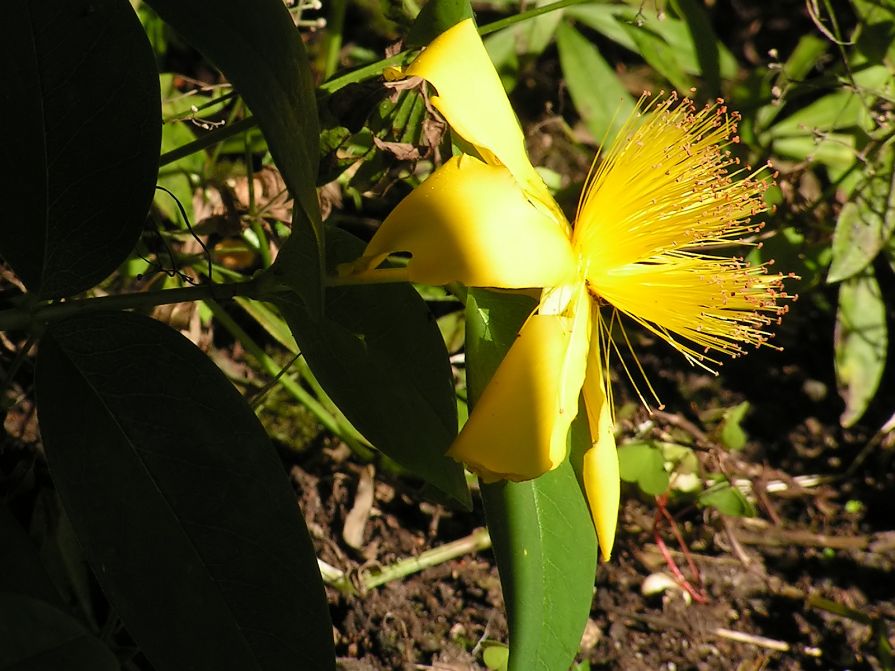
x=654 y=205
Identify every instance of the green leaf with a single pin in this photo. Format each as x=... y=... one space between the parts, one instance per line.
x=834 y=150
x=732 y=434
x=35 y=636
x=537 y=33
x=867 y=221
x=542 y=533
x=861 y=342
x=727 y=500
x=179 y=499
x=705 y=44
x=643 y=463
x=82 y=113
x=660 y=55
x=434 y=18
x=21 y=570
x=257 y=46
x=611 y=21
x=379 y=355
x=599 y=96
x=807 y=54
x=496 y=656
x=842 y=109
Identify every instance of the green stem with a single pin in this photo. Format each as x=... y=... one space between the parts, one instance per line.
x=335 y=23
x=475 y=542
x=374 y=276
x=208 y=140
x=524 y=16
x=839 y=609
x=26 y=318
x=263 y=244
x=271 y=367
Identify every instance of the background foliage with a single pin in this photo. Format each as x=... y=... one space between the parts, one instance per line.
x=263 y=144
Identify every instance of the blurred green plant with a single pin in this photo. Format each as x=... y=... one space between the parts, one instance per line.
x=166 y=479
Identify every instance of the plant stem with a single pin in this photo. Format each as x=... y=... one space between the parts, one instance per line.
x=475 y=542
x=494 y=26
x=26 y=318
x=208 y=140
x=374 y=276
x=272 y=368
x=335 y=23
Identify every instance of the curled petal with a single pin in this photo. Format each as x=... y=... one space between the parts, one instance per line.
x=600 y=470
x=473 y=101
x=471 y=223
x=471 y=96
x=519 y=426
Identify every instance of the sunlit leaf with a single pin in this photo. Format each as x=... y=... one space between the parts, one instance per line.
x=866 y=222
x=543 y=536
x=861 y=342
x=611 y=21
x=705 y=43
x=732 y=434
x=644 y=464
x=599 y=96
x=727 y=500
x=661 y=56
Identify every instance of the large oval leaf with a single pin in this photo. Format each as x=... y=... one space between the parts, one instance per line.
x=381 y=358
x=543 y=536
x=35 y=636
x=257 y=46
x=82 y=110
x=21 y=570
x=179 y=500
x=861 y=342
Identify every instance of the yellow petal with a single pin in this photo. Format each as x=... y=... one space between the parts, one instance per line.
x=471 y=223
x=519 y=426
x=600 y=467
x=471 y=96
x=472 y=100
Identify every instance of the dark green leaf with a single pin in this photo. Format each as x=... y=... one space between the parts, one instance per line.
x=21 y=570
x=82 y=95
x=257 y=46
x=380 y=356
x=434 y=18
x=177 y=495
x=35 y=636
x=861 y=342
x=542 y=532
x=599 y=96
